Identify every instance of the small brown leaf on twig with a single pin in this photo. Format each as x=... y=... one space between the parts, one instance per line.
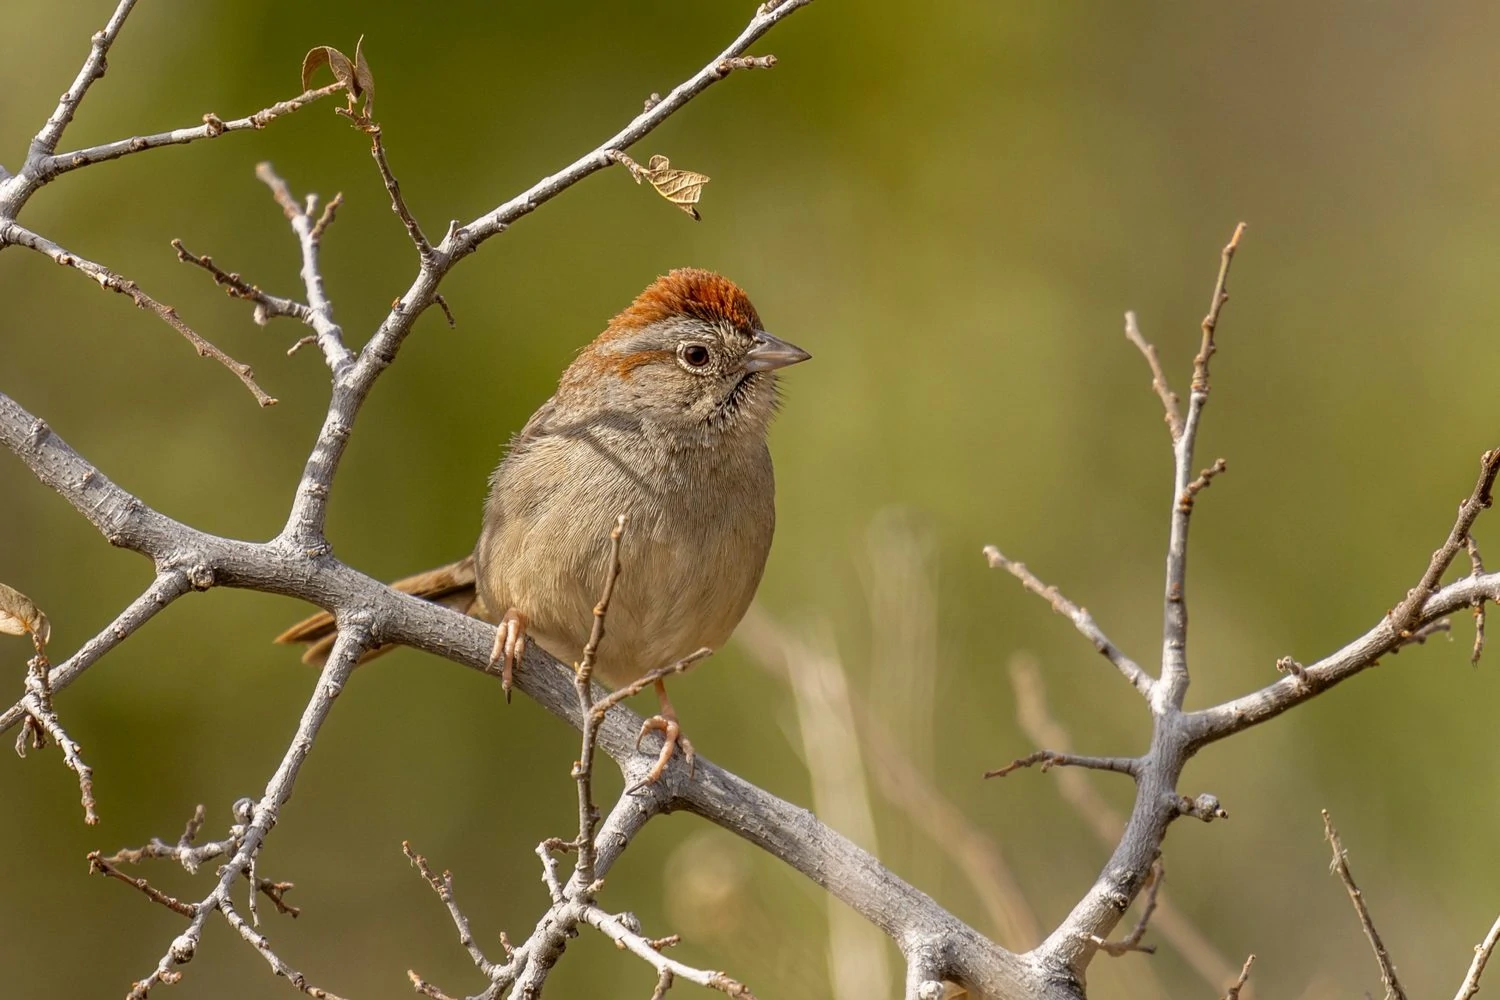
x=681 y=187
x=19 y=616
x=327 y=55
x=364 y=82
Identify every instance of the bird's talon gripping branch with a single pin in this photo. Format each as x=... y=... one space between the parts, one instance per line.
x=510 y=646
x=672 y=740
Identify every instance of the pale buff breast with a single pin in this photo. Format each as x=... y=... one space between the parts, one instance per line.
x=699 y=529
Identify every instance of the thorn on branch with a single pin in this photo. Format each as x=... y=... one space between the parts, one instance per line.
x=1287 y=665
x=1185 y=501
x=1340 y=867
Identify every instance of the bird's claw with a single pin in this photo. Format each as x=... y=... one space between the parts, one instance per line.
x=510 y=646
x=671 y=740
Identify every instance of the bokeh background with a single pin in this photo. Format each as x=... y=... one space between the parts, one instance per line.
x=949 y=204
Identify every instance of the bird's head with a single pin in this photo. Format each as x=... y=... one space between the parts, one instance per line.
x=689 y=352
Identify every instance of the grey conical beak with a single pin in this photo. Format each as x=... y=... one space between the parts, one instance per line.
x=772 y=352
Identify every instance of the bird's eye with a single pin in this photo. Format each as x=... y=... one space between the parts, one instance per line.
x=694 y=355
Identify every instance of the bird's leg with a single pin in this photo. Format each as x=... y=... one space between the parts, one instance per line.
x=671 y=739
x=510 y=646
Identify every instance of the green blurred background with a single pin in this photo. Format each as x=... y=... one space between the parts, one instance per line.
x=950 y=205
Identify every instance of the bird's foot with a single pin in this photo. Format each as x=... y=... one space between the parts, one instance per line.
x=672 y=741
x=510 y=646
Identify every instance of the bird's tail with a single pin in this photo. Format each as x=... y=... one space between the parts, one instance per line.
x=451 y=586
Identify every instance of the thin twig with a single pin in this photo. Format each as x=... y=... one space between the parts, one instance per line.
x=1172 y=689
x=1482 y=952
x=93 y=68
x=1039 y=725
x=309 y=232
x=1404 y=616
x=99 y=866
x=267 y=306
x=1216 y=305
x=443 y=886
x=398 y=203
x=1081 y=619
x=1132 y=941
x=1476 y=564
x=42 y=719
x=213 y=126
x=635 y=687
x=1173 y=416
x=1340 y=867
x=1233 y=993
x=1049 y=759
x=1185 y=501
x=171 y=584
x=583 y=770
x=14 y=233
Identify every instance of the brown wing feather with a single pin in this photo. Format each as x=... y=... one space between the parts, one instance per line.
x=451 y=585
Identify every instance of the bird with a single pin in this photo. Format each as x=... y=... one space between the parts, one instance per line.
x=662 y=418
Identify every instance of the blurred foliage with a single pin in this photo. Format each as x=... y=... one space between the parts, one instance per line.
x=950 y=205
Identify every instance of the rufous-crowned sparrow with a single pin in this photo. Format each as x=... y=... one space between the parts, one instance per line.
x=662 y=418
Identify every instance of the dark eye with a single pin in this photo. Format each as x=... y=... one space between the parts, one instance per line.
x=695 y=355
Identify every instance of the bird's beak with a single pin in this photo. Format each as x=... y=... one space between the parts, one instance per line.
x=771 y=352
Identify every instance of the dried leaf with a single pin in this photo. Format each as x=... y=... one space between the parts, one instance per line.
x=327 y=55
x=19 y=616
x=364 y=82
x=681 y=187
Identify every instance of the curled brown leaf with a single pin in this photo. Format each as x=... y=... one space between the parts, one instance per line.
x=19 y=615
x=682 y=188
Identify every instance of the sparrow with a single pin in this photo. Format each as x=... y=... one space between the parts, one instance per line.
x=663 y=419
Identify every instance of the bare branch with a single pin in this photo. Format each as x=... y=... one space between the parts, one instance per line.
x=1405 y=616
x=1482 y=952
x=1340 y=867
x=1185 y=501
x=213 y=126
x=1173 y=415
x=164 y=589
x=1476 y=564
x=258 y=818
x=618 y=930
x=268 y=306
x=1082 y=620
x=13 y=233
x=1037 y=722
x=443 y=886
x=319 y=310
x=93 y=68
x=1174 y=674
x=1132 y=941
x=1233 y=993
x=398 y=203
x=98 y=865
x=1049 y=759
x=470 y=235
